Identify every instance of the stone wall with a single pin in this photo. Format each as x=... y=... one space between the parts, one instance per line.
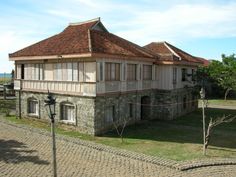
x=163 y=104
x=84 y=109
x=91 y=112
x=170 y=104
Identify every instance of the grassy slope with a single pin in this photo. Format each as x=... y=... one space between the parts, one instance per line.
x=222 y=102
x=178 y=140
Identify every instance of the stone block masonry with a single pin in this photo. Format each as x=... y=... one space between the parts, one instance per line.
x=144 y=105
x=84 y=109
x=95 y=115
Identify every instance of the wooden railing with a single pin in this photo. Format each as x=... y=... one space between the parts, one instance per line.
x=64 y=87
x=82 y=88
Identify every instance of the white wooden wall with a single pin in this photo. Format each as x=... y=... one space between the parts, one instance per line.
x=165 y=77
x=93 y=73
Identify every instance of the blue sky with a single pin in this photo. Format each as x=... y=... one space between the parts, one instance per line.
x=205 y=28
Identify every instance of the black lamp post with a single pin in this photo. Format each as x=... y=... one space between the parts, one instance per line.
x=50 y=102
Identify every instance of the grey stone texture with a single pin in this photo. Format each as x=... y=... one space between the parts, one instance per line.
x=84 y=109
x=90 y=112
x=147 y=104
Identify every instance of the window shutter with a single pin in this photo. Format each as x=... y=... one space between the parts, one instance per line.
x=75 y=72
x=40 y=71
x=81 y=72
x=69 y=71
x=59 y=71
x=18 y=68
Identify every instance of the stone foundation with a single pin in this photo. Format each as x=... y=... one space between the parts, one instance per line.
x=91 y=112
x=162 y=104
x=84 y=109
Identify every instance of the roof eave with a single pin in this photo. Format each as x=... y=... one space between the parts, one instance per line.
x=179 y=63
x=50 y=57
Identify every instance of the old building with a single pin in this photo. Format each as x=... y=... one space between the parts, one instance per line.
x=98 y=78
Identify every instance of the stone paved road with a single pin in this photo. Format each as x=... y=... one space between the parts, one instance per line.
x=28 y=153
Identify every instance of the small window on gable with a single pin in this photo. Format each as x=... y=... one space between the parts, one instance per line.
x=33 y=106
x=67 y=112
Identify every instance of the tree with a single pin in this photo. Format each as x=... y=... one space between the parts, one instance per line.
x=215 y=122
x=224 y=73
x=120 y=125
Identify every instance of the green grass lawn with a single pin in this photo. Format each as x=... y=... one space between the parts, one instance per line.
x=179 y=139
x=4 y=80
x=222 y=102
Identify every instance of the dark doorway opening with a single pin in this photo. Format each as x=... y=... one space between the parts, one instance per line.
x=145 y=107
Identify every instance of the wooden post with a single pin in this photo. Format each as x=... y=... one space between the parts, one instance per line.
x=202 y=93
x=19 y=104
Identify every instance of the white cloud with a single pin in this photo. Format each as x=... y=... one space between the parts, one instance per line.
x=182 y=22
x=171 y=20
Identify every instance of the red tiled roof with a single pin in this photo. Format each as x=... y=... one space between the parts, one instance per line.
x=169 y=52
x=103 y=42
x=73 y=40
x=159 y=48
x=205 y=61
x=82 y=39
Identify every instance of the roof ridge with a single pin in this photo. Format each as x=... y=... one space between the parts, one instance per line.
x=186 y=53
x=84 y=22
x=170 y=45
x=159 y=42
x=140 y=49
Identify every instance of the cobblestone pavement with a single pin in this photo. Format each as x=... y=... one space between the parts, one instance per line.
x=24 y=152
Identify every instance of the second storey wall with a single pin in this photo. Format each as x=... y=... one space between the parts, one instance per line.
x=59 y=71
x=171 y=76
x=103 y=75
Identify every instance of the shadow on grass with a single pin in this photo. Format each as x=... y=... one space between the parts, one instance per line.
x=17 y=152
x=186 y=129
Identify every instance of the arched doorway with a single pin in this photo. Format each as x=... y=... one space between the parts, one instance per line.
x=145 y=107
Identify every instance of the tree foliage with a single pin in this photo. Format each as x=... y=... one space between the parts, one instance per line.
x=222 y=72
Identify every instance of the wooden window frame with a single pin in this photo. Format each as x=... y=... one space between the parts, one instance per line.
x=33 y=107
x=174 y=75
x=64 y=109
x=147 y=72
x=131 y=72
x=112 y=71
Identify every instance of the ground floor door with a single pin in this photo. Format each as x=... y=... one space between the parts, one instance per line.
x=145 y=107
